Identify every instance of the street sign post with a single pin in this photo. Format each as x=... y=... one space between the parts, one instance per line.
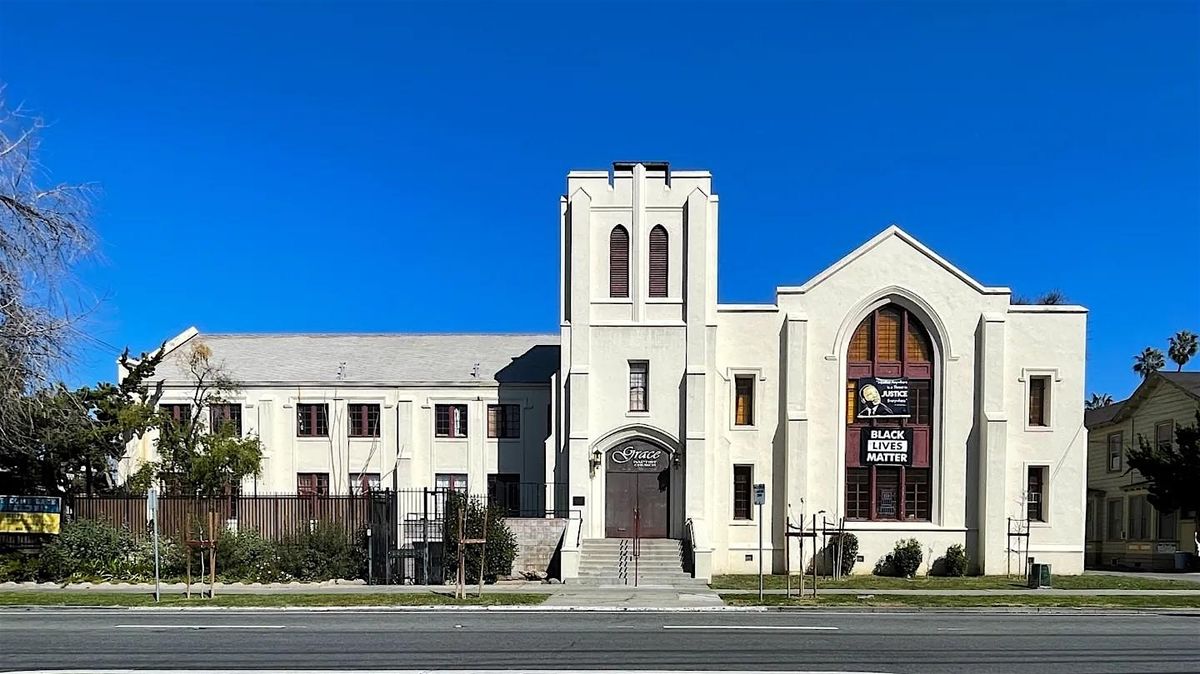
x=760 y=497
x=152 y=515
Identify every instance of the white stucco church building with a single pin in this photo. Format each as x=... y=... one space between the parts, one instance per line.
x=891 y=394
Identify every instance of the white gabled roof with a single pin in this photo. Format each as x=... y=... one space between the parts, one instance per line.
x=893 y=231
x=380 y=358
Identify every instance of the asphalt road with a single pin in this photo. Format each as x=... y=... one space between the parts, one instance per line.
x=906 y=642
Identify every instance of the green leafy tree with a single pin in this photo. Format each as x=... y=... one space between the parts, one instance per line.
x=1182 y=348
x=1098 y=400
x=1171 y=469
x=195 y=458
x=73 y=438
x=1149 y=361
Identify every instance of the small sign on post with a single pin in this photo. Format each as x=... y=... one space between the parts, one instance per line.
x=760 y=498
x=152 y=517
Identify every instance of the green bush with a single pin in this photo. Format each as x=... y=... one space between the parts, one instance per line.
x=501 y=543
x=956 y=560
x=322 y=552
x=247 y=557
x=18 y=567
x=91 y=549
x=907 y=557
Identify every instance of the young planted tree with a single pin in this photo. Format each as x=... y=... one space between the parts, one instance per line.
x=1149 y=361
x=1182 y=348
x=194 y=457
x=1172 y=470
x=1098 y=400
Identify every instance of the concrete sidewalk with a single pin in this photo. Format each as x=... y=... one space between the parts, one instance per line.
x=347 y=587
x=977 y=593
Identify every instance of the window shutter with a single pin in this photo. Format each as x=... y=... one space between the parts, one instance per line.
x=658 y=261
x=618 y=262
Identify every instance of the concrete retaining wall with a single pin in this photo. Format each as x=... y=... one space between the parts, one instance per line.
x=537 y=541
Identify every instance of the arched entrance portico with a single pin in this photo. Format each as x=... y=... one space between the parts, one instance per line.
x=637 y=490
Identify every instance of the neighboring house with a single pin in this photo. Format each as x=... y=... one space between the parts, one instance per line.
x=891 y=392
x=1123 y=529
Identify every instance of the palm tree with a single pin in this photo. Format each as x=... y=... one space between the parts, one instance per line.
x=1183 y=347
x=1098 y=400
x=1149 y=361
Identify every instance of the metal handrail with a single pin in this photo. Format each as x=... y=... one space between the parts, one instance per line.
x=637 y=542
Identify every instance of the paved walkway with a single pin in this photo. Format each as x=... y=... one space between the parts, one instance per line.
x=603 y=597
x=978 y=593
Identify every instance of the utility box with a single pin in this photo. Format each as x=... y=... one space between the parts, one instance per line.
x=1039 y=576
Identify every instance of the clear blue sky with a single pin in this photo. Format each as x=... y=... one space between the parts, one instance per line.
x=388 y=166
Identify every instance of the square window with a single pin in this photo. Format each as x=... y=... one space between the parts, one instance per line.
x=364 y=420
x=504 y=421
x=178 y=414
x=364 y=483
x=450 y=421
x=312 y=484
x=226 y=415
x=312 y=420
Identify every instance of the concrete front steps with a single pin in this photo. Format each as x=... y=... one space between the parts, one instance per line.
x=609 y=562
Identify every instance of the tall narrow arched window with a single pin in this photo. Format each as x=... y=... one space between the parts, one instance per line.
x=658 y=261
x=890 y=417
x=618 y=262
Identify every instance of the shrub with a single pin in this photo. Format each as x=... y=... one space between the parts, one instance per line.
x=248 y=557
x=18 y=567
x=956 y=561
x=906 y=557
x=92 y=549
x=323 y=552
x=501 y=544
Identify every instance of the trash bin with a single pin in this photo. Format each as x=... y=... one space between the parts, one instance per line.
x=1039 y=576
x=1183 y=561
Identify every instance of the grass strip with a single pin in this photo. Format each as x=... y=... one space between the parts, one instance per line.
x=951 y=601
x=864 y=582
x=122 y=599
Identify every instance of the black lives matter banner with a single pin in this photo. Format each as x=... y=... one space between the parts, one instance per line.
x=887 y=446
x=883 y=398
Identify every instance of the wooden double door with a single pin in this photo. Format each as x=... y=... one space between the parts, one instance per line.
x=637 y=491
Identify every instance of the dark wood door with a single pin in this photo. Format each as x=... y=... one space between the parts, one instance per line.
x=620 y=501
x=652 y=504
x=636 y=499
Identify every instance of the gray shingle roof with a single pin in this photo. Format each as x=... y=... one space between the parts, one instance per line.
x=384 y=358
x=1188 y=381
x=1102 y=415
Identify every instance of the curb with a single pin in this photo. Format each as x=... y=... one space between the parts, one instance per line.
x=898 y=610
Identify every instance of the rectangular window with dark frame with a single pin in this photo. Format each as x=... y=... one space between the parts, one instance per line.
x=1164 y=434
x=858 y=493
x=312 y=484
x=226 y=415
x=1115 y=443
x=1139 y=518
x=177 y=413
x=916 y=494
x=743 y=486
x=1167 y=526
x=450 y=421
x=1114 y=529
x=364 y=420
x=1039 y=388
x=312 y=420
x=743 y=413
x=504 y=421
x=887 y=493
x=920 y=396
x=639 y=385
x=1035 y=494
x=364 y=483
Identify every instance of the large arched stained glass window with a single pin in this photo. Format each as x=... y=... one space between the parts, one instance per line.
x=889 y=358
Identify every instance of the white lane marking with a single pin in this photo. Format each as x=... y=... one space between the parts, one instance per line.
x=750 y=627
x=146 y=626
x=951 y=629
